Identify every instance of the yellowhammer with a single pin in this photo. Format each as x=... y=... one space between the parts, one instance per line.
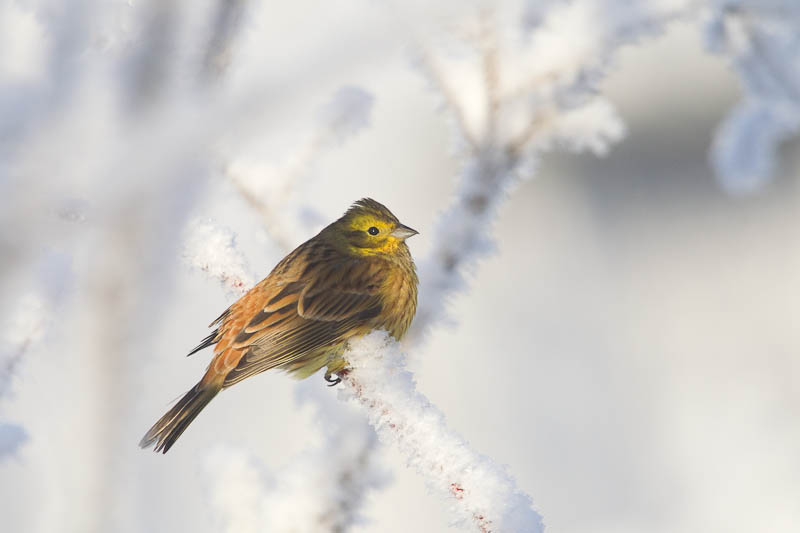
x=356 y=275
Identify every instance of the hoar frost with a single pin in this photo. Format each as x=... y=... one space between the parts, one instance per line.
x=481 y=492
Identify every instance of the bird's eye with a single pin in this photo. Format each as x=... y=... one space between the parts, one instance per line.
x=373 y=230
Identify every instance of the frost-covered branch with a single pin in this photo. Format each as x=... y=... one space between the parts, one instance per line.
x=227 y=22
x=30 y=318
x=212 y=249
x=26 y=328
x=321 y=489
x=763 y=42
x=324 y=488
x=482 y=494
x=526 y=85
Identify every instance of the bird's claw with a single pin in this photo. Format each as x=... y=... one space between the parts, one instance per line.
x=333 y=381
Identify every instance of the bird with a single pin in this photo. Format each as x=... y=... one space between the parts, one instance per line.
x=355 y=276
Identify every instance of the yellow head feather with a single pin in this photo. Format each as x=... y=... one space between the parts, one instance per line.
x=368 y=228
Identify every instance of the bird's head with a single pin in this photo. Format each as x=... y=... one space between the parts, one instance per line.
x=369 y=228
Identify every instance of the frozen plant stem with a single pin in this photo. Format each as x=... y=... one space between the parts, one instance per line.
x=500 y=139
x=482 y=493
x=762 y=43
x=213 y=250
x=462 y=234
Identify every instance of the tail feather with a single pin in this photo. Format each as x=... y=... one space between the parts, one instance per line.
x=169 y=427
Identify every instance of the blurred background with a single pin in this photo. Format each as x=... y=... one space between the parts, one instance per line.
x=629 y=349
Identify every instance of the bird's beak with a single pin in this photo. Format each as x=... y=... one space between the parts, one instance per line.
x=403 y=232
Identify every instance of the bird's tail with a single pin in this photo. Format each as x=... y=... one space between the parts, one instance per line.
x=169 y=427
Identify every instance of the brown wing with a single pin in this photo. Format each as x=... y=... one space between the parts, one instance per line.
x=301 y=308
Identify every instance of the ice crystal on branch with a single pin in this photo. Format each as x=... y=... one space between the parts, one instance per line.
x=321 y=489
x=763 y=43
x=482 y=493
x=526 y=83
x=212 y=249
x=26 y=328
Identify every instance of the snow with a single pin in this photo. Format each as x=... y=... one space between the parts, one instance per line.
x=320 y=489
x=763 y=45
x=212 y=249
x=481 y=494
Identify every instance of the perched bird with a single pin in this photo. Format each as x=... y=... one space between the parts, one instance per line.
x=355 y=276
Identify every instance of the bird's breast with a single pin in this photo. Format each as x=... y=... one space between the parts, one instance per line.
x=399 y=295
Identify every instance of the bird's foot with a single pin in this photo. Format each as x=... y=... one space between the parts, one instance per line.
x=333 y=381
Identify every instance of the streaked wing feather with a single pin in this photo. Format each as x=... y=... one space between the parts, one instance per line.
x=301 y=317
x=205 y=343
x=332 y=305
x=311 y=336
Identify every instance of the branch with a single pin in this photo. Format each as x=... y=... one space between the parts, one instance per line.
x=322 y=489
x=212 y=249
x=30 y=322
x=482 y=494
x=535 y=100
x=763 y=44
x=26 y=329
x=437 y=79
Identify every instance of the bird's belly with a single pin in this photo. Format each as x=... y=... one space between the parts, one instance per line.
x=314 y=360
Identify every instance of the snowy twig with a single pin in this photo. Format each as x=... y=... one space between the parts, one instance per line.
x=762 y=40
x=523 y=111
x=218 y=54
x=26 y=328
x=434 y=74
x=31 y=318
x=213 y=250
x=481 y=492
x=319 y=490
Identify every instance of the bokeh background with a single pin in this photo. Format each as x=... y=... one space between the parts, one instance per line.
x=629 y=349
